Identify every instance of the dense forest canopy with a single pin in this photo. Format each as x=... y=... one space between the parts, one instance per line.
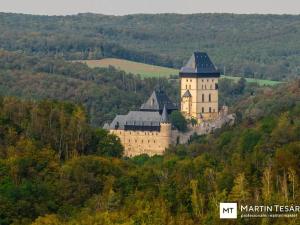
x=261 y=46
x=56 y=169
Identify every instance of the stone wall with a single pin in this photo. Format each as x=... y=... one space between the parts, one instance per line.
x=145 y=142
x=155 y=143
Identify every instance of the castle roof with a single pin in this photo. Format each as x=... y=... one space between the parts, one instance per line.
x=157 y=101
x=137 y=120
x=164 y=115
x=187 y=94
x=199 y=65
x=151 y=115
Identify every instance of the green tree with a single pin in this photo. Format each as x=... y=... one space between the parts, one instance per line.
x=240 y=191
x=178 y=121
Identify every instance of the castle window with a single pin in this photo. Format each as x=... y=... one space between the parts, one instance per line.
x=209 y=97
x=154 y=141
x=135 y=141
x=202 y=97
x=186 y=86
x=202 y=109
x=202 y=80
x=190 y=86
x=187 y=80
x=207 y=80
x=209 y=109
x=142 y=141
x=191 y=80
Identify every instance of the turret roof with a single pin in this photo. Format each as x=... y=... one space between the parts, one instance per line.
x=164 y=115
x=187 y=94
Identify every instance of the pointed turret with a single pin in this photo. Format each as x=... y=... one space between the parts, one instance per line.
x=164 y=115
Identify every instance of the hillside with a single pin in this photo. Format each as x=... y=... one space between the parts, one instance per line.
x=104 y=92
x=77 y=181
x=260 y=46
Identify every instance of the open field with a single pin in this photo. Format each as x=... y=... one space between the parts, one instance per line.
x=146 y=70
x=252 y=80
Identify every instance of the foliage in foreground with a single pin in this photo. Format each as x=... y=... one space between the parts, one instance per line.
x=255 y=162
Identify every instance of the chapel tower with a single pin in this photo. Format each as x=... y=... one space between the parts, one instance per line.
x=199 y=88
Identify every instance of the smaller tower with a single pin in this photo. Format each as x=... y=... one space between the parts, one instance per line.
x=165 y=128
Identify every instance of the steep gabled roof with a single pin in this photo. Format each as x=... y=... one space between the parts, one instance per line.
x=199 y=64
x=157 y=101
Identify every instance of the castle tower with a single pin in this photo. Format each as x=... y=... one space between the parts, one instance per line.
x=199 y=88
x=165 y=128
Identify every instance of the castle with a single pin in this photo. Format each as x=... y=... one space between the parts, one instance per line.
x=149 y=131
x=199 y=88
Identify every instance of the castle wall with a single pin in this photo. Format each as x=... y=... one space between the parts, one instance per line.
x=145 y=142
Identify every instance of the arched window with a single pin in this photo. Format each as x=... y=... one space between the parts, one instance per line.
x=202 y=97
x=209 y=109
x=209 y=97
x=202 y=109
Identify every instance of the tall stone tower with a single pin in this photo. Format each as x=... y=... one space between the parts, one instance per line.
x=199 y=88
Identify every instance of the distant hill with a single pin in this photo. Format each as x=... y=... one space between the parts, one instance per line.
x=260 y=46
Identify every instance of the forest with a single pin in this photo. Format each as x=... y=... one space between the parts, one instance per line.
x=260 y=46
x=103 y=92
x=57 y=169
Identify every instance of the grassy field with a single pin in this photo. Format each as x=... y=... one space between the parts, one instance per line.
x=146 y=70
x=252 y=80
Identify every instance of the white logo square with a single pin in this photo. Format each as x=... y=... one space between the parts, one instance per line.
x=228 y=210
